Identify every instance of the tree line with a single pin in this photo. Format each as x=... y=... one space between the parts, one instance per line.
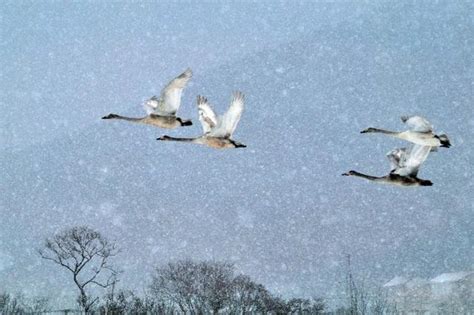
x=178 y=287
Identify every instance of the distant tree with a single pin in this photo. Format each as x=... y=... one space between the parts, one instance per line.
x=351 y=289
x=86 y=254
x=298 y=305
x=363 y=299
x=247 y=296
x=174 y=284
x=18 y=304
x=274 y=305
x=190 y=287
x=115 y=303
x=306 y=306
x=216 y=279
x=212 y=287
x=37 y=305
x=126 y=302
x=10 y=304
x=378 y=302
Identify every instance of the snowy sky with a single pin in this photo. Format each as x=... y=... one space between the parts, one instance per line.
x=314 y=75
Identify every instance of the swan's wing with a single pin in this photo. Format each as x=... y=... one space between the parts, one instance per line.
x=151 y=105
x=228 y=122
x=416 y=157
x=417 y=123
x=170 y=99
x=397 y=158
x=206 y=115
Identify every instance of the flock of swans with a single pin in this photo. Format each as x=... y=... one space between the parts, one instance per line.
x=405 y=163
x=218 y=130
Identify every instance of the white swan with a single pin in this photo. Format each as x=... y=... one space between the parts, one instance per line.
x=404 y=167
x=217 y=130
x=161 y=112
x=421 y=133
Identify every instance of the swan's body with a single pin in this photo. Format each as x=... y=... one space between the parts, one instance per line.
x=421 y=133
x=161 y=112
x=167 y=122
x=217 y=130
x=404 y=167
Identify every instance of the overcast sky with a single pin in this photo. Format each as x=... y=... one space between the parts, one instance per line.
x=314 y=75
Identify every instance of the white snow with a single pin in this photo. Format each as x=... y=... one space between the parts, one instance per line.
x=396 y=282
x=452 y=276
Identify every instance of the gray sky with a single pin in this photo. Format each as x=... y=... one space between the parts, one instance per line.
x=314 y=75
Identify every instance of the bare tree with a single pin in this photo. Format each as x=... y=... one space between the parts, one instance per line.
x=216 y=284
x=18 y=304
x=190 y=287
x=175 y=285
x=247 y=296
x=127 y=302
x=10 y=304
x=351 y=289
x=313 y=306
x=274 y=305
x=298 y=305
x=379 y=302
x=86 y=254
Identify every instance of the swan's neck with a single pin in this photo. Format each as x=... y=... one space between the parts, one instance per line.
x=387 y=132
x=168 y=138
x=368 y=177
x=132 y=119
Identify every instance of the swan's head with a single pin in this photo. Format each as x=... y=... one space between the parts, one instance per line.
x=164 y=138
x=349 y=173
x=110 y=116
x=368 y=130
x=444 y=140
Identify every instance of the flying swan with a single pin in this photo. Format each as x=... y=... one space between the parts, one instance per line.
x=404 y=167
x=161 y=112
x=217 y=130
x=421 y=133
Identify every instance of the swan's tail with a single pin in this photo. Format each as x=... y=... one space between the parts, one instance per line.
x=425 y=182
x=187 y=122
x=445 y=143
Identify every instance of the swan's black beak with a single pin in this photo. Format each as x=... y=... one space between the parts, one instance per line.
x=351 y=172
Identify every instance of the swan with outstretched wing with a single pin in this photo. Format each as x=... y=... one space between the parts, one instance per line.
x=404 y=167
x=161 y=111
x=217 y=130
x=421 y=132
x=412 y=161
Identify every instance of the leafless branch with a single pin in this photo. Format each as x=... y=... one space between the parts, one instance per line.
x=79 y=249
